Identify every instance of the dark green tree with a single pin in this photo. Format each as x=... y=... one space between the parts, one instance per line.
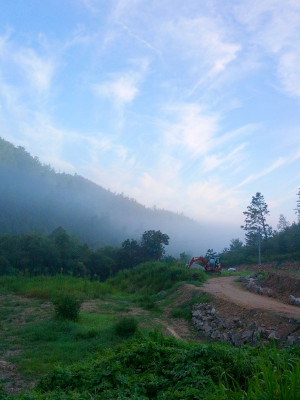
x=255 y=220
x=5 y=267
x=236 y=245
x=297 y=209
x=99 y=265
x=130 y=254
x=152 y=245
x=282 y=223
x=185 y=258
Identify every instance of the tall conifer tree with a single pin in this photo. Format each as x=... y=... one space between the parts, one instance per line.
x=255 y=220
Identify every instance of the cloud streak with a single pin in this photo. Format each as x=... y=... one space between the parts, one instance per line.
x=173 y=103
x=278 y=163
x=274 y=27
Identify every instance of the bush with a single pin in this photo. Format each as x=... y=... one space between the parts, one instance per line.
x=126 y=327
x=67 y=307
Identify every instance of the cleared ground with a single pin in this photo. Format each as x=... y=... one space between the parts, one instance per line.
x=228 y=289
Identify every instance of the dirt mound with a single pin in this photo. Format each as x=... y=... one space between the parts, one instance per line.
x=282 y=285
x=286 y=267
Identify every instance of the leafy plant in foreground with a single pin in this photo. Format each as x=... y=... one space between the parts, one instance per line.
x=126 y=327
x=67 y=307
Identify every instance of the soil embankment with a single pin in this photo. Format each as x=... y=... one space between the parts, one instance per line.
x=228 y=289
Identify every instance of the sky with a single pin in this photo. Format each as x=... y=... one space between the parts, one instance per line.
x=191 y=106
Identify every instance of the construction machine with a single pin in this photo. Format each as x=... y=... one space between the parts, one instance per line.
x=212 y=265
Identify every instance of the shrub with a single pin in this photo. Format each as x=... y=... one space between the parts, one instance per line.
x=67 y=307
x=126 y=327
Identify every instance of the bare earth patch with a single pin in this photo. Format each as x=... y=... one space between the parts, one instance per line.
x=232 y=300
x=227 y=288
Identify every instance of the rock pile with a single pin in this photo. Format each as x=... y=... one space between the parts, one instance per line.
x=294 y=300
x=251 y=284
x=235 y=331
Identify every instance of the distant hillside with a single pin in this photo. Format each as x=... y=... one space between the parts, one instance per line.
x=33 y=197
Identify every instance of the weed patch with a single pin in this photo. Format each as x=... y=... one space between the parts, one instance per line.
x=153 y=367
x=148 y=303
x=48 y=287
x=126 y=327
x=153 y=277
x=185 y=309
x=67 y=307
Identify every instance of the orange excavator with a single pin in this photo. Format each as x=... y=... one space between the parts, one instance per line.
x=212 y=265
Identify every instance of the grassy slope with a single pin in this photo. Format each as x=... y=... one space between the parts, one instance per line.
x=145 y=366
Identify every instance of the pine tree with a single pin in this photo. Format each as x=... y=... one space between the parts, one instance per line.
x=297 y=209
x=282 y=223
x=255 y=220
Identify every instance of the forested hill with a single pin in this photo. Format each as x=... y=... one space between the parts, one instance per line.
x=33 y=197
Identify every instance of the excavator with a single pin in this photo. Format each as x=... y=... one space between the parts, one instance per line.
x=212 y=265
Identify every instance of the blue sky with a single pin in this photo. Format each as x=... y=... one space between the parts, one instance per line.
x=191 y=106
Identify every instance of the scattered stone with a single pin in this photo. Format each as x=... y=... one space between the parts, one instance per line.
x=267 y=292
x=206 y=320
x=292 y=340
x=251 y=284
x=294 y=300
x=273 y=335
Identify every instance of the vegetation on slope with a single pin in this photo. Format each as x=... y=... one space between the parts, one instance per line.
x=154 y=367
x=59 y=253
x=124 y=358
x=264 y=244
x=35 y=198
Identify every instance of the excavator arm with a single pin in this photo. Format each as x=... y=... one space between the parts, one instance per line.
x=213 y=265
x=196 y=259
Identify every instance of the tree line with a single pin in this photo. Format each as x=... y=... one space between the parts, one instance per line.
x=36 y=253
x=280 y=245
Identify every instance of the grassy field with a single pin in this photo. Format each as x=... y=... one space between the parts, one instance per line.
x=116 y=350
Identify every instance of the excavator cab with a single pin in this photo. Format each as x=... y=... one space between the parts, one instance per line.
x=217 y=263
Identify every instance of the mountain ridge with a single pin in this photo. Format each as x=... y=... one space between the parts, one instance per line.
x=34 y=197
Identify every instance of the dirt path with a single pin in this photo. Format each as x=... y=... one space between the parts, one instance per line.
x=226 y=288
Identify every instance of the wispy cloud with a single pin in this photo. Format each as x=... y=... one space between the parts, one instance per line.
x=33 y=69
x=253 y=177
x=38 y=70
x=289 y=72
x=121 y=90
x=195 y=37
x=274 y=27
x=193 y=129
x=101 y=145
x=227 y=160
x=186 y=97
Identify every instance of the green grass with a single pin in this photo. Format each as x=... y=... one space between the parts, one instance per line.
x=47 y=287
x=45 y=343
x=28 y=323
x=88 y=359
x=232 y=273
x=153 y=367
x=185 y=309
x=153 y=277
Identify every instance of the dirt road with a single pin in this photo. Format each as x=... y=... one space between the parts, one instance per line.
x=226 y=288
